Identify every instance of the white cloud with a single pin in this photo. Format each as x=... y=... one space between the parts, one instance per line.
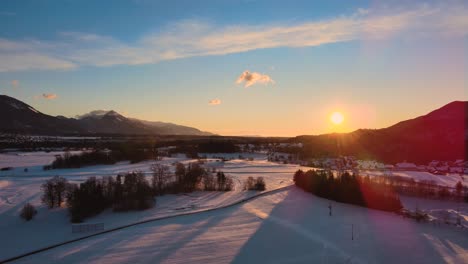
x=251 y=78
x=14 y=83
x=193 y=38
x=214 y=102
x=49 y=96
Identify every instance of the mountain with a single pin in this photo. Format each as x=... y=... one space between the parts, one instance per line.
x=112 y=122
x=440 y=135
x=107 y=122
x=18 y=117
x=173 y=129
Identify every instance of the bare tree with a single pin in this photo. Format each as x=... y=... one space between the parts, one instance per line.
x=54 y=191
x=161 y=177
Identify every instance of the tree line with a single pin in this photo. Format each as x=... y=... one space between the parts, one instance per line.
x=100 y=157
x=129 y=191
x=347 y=188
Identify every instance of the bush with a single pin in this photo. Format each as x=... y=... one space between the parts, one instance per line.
x=28 y=212
x=252 y=184
x=260 y=184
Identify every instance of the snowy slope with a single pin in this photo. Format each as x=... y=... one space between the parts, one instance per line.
x=52 y=226
x=286 y=227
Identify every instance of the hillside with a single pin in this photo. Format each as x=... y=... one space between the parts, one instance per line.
x=19 y=117
x=441 y=135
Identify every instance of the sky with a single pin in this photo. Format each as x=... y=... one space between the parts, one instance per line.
x=240 y=67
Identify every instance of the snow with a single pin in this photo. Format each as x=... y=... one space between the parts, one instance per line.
x=29 y=159
x=441 y=211
x=288 y=226
x=449 y=180
x=52 y=226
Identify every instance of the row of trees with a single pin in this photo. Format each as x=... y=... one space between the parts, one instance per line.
x=126 y=192
x=194 y=177
x=98 y=157
x=348 y=188
x=130 y=191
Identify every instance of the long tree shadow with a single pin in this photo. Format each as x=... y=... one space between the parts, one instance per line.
x=153 y=242
x=299 y=229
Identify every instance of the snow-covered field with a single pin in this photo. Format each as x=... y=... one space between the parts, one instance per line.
x=449 y=180
x=287 y=226
x=21 y=160
x=52 y=226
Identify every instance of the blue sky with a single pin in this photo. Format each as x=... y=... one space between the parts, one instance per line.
x=179 y=61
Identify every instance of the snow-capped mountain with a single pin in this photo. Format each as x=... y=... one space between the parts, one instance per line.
x=18 y=117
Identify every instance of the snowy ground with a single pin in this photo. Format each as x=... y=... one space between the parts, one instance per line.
x=288 y=226
x=228 y=235
x=21 y=160
x=448 y=180
x=52 y=226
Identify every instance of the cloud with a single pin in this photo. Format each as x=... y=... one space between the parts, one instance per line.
x=214 y=102
x=191 y=38
x=14 y=83
x=251 y=78
x=49 y=96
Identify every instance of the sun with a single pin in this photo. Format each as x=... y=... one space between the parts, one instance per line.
x=337 y=118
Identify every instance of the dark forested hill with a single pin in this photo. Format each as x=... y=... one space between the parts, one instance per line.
x=441 y=135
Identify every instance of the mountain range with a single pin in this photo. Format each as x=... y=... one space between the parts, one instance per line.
x=19 y=117
x=440 y=134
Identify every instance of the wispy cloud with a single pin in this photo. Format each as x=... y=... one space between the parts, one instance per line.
x=14 y=83
x=251 y=78
x=193 y=38
x=49 y=96
x=214 y=102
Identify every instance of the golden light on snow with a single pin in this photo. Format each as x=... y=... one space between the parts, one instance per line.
x=337 y=118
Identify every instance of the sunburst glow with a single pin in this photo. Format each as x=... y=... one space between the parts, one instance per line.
x=337 y=118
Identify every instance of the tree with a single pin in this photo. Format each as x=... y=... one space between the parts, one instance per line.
x=443 y=192
x=54 y=191
x=28 y=212
x=221 y=180
x=209 y=183
x=180 y=172
x=252 y=184
x=260 y=184
x=459 y=188
x=161 y=174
